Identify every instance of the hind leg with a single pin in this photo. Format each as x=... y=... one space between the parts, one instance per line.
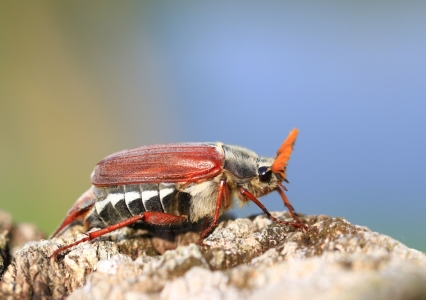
x=78 y=211
x=155 y=218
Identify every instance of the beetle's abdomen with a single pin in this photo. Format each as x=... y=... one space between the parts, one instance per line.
x=118 y=203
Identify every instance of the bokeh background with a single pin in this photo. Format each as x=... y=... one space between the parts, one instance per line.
x=80 y=80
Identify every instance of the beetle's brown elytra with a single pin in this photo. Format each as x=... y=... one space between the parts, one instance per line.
x=169 y=184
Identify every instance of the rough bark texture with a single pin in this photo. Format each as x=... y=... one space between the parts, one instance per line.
x=243 y=258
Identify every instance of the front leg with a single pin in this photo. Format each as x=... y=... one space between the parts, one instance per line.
x=298 y=224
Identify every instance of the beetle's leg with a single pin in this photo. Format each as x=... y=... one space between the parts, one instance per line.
x=78 y=211
x=223 y=188
x=288 y=204
x=245 y=193
x=226 y=199
x=156 y=218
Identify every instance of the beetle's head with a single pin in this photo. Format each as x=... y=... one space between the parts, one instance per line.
x=271 y=172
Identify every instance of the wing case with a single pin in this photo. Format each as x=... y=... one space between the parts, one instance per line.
x=160 y=163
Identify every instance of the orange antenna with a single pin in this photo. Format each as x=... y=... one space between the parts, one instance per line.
x=283 y=154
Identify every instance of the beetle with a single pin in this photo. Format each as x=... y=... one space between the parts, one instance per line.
x=169 y=184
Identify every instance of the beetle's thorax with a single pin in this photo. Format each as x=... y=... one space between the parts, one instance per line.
x=241 y=170
x=240 y=162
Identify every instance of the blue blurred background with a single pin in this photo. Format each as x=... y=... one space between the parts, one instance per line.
x=80 y=80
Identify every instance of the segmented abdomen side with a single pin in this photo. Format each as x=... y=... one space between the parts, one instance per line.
x=118 y=203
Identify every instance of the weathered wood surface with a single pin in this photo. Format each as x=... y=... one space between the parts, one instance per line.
x=243 y=258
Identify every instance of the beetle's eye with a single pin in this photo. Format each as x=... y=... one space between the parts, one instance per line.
x=264 y=174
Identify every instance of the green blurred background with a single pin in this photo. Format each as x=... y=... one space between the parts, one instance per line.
x=70 y=96
x=80 y=80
